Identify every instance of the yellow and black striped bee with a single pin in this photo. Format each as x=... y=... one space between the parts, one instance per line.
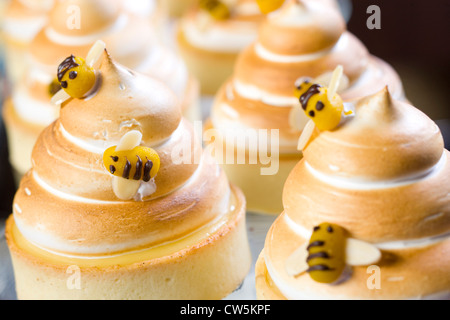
x=315 y=102
x=76 y=77
x=325 y=256
x=217 y=9
x=140 y=163
x=326 y=253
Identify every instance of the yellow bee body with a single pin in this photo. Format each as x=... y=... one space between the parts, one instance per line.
x=314 y=100
x=217 y=9
x=140 y=163
x=267 y=6
x=76 y=77
x=302 y=86
x=326 y=249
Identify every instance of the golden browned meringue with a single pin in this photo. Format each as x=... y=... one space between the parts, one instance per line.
x=384 y=176
x=129 y=37
x=66 y=213
x=302 y=39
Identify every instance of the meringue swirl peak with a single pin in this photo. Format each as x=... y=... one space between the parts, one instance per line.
x=73 y=208
x=403 y=142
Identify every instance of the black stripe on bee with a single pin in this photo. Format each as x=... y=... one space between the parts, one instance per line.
x=304 y=99
x=323 y=255
x=126 y=170
x=147 y=168
x=319 y=267
x=315 y=244
x=137 y=175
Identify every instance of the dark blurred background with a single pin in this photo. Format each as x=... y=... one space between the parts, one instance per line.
x=7 y=187
x=414 y=38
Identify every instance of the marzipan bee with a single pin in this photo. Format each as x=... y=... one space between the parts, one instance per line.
x=315 y=103
x=76 y=77
x=326 y=258
x=328 y=252
x=140 y=163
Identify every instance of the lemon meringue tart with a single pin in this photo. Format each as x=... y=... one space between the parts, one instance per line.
x=121 y=202
x=366 y=211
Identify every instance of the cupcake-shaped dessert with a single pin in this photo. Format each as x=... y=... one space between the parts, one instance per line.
x=366 y=211
x=21 y=21
x=129 y=37
x=211 y=35
x=303 y=41
x=121 y=202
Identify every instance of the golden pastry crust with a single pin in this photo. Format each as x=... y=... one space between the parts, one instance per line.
x=155 y=273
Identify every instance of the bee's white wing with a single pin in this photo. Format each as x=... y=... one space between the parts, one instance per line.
x=95 y=53
x=60 y=97
x=126 y=189
x=296 y=262
x=334 y=82
x=306 y=135
x=325 y=80
x=360 y=253
x=129 y=141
